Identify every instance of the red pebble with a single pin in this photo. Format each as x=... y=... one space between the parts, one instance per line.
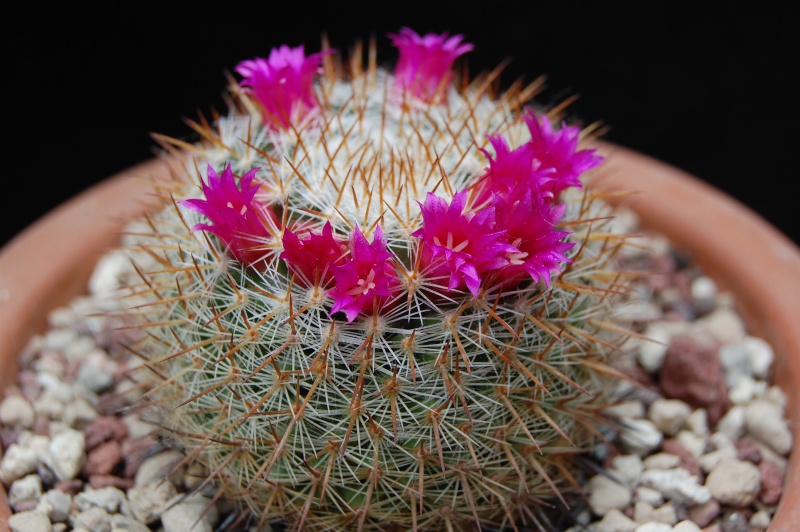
x=102 y=429
x=103 y=459
x=103 y=481
x=693 y=373
x=771 y=483
x=747 y=450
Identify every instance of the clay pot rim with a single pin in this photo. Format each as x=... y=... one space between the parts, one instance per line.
x=733 y=244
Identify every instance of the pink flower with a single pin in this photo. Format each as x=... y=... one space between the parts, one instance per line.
x=283 y=85
x=313 y=256
x=557 y=151
x=530 y=223
x=241 y=222
x=366 y=278
x=461 y=245
x=424 y=66
x=507 y=170
x=548 y=163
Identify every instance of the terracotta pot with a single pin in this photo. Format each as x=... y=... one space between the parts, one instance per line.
x=50 y=262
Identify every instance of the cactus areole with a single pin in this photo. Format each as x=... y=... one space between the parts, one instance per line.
x=380 y=300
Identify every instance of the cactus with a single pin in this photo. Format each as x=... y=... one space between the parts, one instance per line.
x=377 y=299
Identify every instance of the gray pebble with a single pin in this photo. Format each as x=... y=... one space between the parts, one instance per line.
x=56 y=504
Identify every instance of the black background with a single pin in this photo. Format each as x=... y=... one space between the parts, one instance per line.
x=709 y=91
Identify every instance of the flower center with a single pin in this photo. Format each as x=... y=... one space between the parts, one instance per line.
x=364 y=285
x=449 y=245
x=241 y=211
x=516 y=259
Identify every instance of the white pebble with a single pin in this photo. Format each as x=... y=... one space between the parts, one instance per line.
x=744 y=391
x=720 y=440
x=95 y=519
x=126 y=523
x=724 y=324
x=627 y=468
x=626 y=409
x=25 y=489
x=734 y=482
x=30 y=521
x=693 y=443
x=96 y=374
x=764 y=421
x=615 y=521
x=697 y=422
x=16 y=411
x=662 y=461
x=59 y=339
x=56 y=504
x=49 y=406
x=649 y=495
x=760 y=356
x=774 y=394
x=653 y=527
x=79 y=413
x=61 y=318
x=653 y=350
x=137 y=428
x=66 y=454
x=710 y=460
x=704 y=292
x=110 y=499
x=760 y=519
x=56 y=387
x=669 y=415
x=732 y=423
x=686 y=526
x=676 y=484
x=79 y=348
x=735 y=363
x=147 y=501
x=21 y=458
x=185 y=511
x=159 y=466
x=640 y=436
x=605 y=495
x=644 y=512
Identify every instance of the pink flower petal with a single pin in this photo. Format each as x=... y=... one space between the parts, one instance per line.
x=241 y=222
x=366 y=278
x=283 y=85
x=424 y=66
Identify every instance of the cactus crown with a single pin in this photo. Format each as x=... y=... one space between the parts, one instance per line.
x=376 y=300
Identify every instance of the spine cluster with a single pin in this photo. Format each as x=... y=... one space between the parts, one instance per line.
x=376 y=300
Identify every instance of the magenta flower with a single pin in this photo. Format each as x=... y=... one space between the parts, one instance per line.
x=557 y=151
x=548 y=163
x=509 y=169
x=240 y=221
x=424 y=66
x=283 y=85
x=312 y=256
x=460 y=245
x=530 y=223
x=366 y=278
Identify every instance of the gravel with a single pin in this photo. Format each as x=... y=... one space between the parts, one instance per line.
x=687 y=455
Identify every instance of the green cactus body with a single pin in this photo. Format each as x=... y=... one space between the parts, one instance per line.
x=442 y=410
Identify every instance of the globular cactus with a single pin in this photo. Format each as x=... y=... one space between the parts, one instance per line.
x=380 y=299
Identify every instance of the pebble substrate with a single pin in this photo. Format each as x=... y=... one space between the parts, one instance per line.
x=702 y=442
